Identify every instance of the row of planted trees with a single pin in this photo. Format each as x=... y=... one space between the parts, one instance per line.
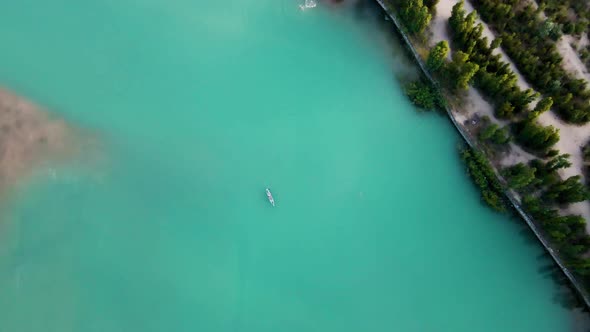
x=529 y=40
x=475 y=63
x=571 y=15
x=538 y=182
x=543 y=191
x=497 y=82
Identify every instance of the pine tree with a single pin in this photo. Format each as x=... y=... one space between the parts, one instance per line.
x=415 y=15
x=505 y=111
x=569 y=191
x=542 y=106
x=558 y=162
x=437 y=55
x=519 y=175
x=461 y=70
x=537 y=137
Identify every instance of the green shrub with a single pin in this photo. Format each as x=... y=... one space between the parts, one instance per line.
x=437 y=55
x=424 y=96
x=569 y=191
x=519 y=175
x=529 y=40
x=495 y=134
x=482 y=173
x=536 y=137
x=415 y=15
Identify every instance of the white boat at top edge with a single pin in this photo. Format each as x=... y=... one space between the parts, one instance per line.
x=308 y=4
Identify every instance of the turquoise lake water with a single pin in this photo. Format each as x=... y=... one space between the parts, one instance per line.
x=200 y=105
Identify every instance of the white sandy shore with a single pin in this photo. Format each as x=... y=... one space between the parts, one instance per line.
x=571 y=137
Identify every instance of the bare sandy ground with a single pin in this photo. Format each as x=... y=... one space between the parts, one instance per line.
x=571 y=137
x=571 y=62
x=29 y=136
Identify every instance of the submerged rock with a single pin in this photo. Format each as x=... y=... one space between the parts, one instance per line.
x=29 y=136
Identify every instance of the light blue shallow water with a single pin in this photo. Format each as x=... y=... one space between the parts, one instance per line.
x=199 y=106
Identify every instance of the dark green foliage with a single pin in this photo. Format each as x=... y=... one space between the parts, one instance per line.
x=581 y=266
x=538 y=59
x=520 y=99
x=505 y=111
x=484 y=177
x=542 y=106
x=532 y=204
x=549 y=29
x=519 y=175
x=495 y=134
x=437 y=55
x=431 y=4
x=466 y=75
x=546 y=176
x=562 y=227
x=552 y=153
x=536 y=137
x=580 y=27
x=424 y=96
x=560 y=161
x=569 y=191
x=586 y=152
x=559 y=11
x=488 y=132
x=568 y=28
x=461 y=70
x=529 y=41
x=585 y=56
x=494 y=77
x=501 y=136
x=496 y=43
x=567 y=232
x=538 y=209
x=415 y=15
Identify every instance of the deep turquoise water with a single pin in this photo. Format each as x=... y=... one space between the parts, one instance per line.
x=199 y=106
